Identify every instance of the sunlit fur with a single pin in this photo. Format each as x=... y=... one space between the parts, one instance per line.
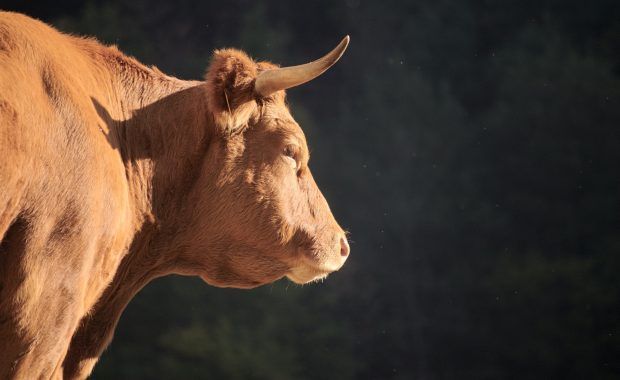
x=113 y=174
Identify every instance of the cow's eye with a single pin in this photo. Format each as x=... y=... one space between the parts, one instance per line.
x=290 y=154
x=290 y=151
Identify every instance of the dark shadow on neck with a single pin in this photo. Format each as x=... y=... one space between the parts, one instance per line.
x=166 y=141
x=157 y=129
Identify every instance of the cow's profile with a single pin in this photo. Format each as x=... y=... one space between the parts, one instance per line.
x=113 y=174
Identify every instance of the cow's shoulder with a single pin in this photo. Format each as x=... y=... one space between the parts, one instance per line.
x=54 y=93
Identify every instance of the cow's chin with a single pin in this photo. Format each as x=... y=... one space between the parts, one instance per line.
x=311 y=272
x=306 y=276
x=314 y=265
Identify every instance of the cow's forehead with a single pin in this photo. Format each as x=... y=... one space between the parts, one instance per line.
x=278 y=119
x=277 y=110
x=278 y=116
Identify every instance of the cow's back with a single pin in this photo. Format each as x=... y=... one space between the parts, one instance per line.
x=64 y=206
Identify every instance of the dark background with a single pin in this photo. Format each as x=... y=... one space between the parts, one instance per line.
x=471 y=148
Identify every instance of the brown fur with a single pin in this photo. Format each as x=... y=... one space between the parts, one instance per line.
x=113 y=174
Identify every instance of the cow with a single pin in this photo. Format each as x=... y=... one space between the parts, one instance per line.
x=113 y=174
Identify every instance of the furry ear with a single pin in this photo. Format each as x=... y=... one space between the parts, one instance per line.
x=230 y=89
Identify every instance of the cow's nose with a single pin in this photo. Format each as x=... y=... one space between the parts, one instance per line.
x=344 y=247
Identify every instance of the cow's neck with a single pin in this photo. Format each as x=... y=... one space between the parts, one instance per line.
x=163 y=134
x=161 y=128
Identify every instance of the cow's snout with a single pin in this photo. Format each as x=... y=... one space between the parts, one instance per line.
x=344 y=247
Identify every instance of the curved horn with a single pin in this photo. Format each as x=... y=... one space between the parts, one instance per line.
x=270 y=81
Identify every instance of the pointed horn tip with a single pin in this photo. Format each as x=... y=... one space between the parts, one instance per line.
x=340 y=48
x=345 y=41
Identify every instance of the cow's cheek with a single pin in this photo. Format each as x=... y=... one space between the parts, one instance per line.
x=294 y=197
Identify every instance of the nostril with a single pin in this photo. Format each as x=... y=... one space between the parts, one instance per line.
x=344 y=247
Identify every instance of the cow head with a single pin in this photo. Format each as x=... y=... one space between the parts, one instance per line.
x=260 y=215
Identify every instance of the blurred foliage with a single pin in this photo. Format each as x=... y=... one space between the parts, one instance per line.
x=471 y=148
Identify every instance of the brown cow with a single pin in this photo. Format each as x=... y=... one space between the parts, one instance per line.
x=113 y=174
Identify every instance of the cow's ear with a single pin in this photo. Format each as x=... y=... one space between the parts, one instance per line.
x=230 y=89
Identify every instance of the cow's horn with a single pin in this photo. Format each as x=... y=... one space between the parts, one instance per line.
x=270 y=81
